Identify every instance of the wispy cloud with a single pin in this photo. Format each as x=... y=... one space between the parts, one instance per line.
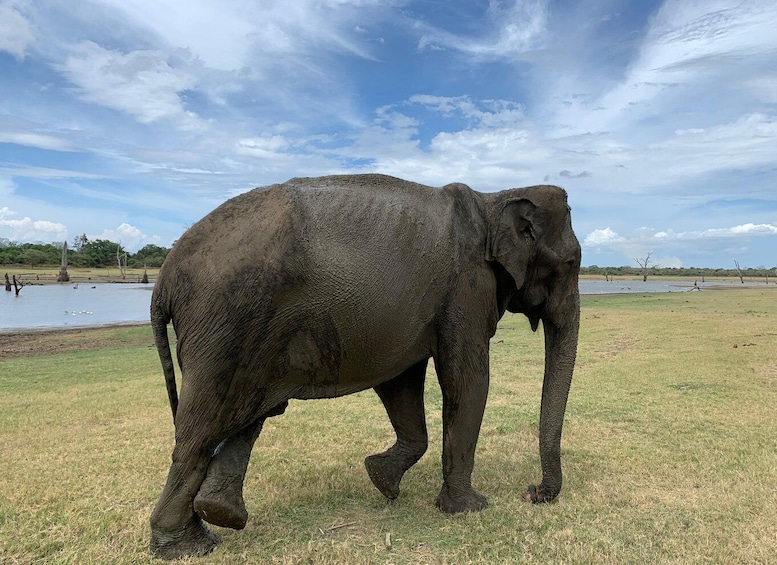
x=686 y=50
x=514 y=26
x=670 y=244
x=657 y=109
x=39 y=140
x=15 y=32
x=145 y=84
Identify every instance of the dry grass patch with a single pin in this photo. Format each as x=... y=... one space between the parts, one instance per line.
x=669 y=452
x=48 y=274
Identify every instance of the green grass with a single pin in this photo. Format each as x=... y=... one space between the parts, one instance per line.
x=669 y=452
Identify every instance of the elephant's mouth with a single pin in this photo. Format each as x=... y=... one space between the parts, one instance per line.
x=534 y=314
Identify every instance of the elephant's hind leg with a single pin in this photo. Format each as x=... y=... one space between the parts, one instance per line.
x=175 y=530
x=403 y=398
x=220 y=498
x=201 y=424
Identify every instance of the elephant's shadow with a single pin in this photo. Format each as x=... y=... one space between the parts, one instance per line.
x=316 y=494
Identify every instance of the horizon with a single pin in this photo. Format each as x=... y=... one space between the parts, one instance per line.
x=4 y=242
x=131 y=120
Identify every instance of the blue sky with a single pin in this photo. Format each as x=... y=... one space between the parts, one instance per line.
x=131 y=119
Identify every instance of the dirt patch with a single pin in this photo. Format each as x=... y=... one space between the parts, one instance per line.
x=619 y=345
x=768 y=371
x=51 y=342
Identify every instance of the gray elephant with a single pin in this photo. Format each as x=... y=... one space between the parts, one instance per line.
x=321 y=287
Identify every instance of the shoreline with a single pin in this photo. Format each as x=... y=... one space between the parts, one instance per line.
x=42 y=341
x=46 y=329
x=33 y=331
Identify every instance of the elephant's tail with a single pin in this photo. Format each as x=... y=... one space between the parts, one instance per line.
x=160 y=317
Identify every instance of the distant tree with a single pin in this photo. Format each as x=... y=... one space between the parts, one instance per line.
x=79 y=242
x=99 y=253
x=10 y=253
x=739 y=272
x=644 y=265
x=149 y=256
x=35 y=257
x=122 y=261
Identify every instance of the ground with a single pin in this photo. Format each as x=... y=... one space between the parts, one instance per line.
x=54 y=341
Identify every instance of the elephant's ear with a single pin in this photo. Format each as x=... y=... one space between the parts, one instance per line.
x=511 y=238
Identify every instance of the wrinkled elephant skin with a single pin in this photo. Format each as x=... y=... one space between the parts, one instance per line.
x=321 y=287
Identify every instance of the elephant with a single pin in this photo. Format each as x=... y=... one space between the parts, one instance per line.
x=322 y=287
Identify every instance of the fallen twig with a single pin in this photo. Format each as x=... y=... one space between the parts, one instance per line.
x=333 y=528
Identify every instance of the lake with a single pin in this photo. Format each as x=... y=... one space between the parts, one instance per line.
x=63 y=306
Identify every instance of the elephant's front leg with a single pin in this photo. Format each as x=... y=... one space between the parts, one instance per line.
x=403 y=398
x=463 y=376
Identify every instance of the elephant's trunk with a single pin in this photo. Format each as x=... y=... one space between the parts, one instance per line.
x=561 y=333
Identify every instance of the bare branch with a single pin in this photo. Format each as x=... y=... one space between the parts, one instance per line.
x=17 y=284
x=739 y=272
x=644 y=264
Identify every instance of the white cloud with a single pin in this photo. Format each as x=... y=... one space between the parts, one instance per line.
x=141 y=83
x=7 y=186
x=744 y=230
x=217 y=33
x=46 y=173
x=702 y=52
x=38 y=140
x=763 y=87
x=669 y=244
x=483 y=113
x=646 y=236
x=516 y=26
x=15 y=32
x=676 y=159
x=211 y=99
x=266 y=146
x=130 y=237
x=230 y=36
x=605 y=237
x=27 y=229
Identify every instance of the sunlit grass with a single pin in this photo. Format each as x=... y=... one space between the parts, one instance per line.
x=669 y=452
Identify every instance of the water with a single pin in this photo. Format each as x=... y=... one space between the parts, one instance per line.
x=637 y=286
x=62 y=306
x=628 y=287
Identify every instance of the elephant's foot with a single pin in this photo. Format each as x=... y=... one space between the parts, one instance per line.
x=194 y=539
x=385 y=473
x=461 y=501
x=538 y=494
x=220 y=502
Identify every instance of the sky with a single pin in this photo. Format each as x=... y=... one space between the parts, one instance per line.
x=130 y=120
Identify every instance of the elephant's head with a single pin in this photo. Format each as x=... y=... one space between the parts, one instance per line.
x=537 y=259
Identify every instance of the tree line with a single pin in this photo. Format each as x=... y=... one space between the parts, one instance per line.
x=83 y=252
x=759 y=272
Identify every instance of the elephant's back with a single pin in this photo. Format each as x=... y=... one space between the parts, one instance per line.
x=232 y=255
x=246 y=229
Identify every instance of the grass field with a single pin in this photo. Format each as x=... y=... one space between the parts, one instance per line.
x=669 y=451
x=49 y=274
